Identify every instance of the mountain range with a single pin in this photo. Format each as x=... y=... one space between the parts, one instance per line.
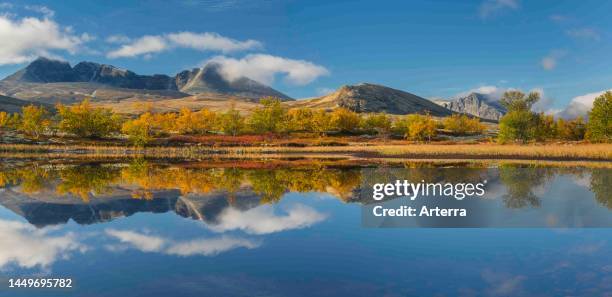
x=47 y=81
x=52 y=80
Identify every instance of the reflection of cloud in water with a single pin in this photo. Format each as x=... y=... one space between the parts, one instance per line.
x=501 y=284
x=142 y=242
x=588 y=248
x=210 y=246
x=582 y=180
x=201 y=246
x=29 y=247
x=263 y=220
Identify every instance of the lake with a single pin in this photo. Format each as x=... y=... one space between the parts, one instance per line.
x=143 y=228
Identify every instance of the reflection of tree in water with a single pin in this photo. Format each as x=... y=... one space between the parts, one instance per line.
x=520 y=183
x=143 y=179
x=601 y=185
x=31 y=179
x=272 y=184
x=80 y=181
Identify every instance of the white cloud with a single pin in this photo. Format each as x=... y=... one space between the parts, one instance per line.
x=491 y=7
x=580 y=105
x=211 y=42
x=493 y=93
x=141 y=46
x=151 y=44
x=584 y=33
x=28 y=247
x=22 y=40
x=550 y=61
x=118 y=38
x=202 y=246
x=263 y=220
x=263 y=68
x=45 y=11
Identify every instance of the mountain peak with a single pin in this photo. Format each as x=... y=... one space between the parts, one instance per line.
x=476 y=104
x=43 y=70
x=369 y=97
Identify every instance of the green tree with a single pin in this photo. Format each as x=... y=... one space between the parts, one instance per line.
x=380 y=122
x=231 y=122
x=517 y=100
x=83 y=120
x=599 y=128
x=520 y=123
x=34 y=120
x=517 y=126
x=270 y=117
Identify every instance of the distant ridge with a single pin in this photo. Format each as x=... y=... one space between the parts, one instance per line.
x=476 y=104
x=9 y=104
x=367 y=97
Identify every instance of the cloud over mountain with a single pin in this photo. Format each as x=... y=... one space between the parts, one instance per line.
x=24 y=39
x=152 y=44
x=263 y=68
x=580 y=105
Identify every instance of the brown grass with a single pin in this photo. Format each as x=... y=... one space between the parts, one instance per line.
x=562 y=152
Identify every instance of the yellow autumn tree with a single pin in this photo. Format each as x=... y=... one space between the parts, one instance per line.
x=200 y=122
x=34 y=120
x=139 y=130
x=83 y=120
x=345 y=120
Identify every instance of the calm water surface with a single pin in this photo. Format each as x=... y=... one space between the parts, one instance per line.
x=144 y=229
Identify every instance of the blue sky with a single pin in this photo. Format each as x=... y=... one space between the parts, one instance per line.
x=305 y=48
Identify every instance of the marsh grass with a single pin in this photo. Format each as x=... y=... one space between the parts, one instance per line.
x=561 y=152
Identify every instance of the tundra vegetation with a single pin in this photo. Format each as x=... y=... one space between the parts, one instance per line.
x=520 y=125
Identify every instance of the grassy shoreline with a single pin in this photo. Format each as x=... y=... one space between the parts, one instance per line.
x=363 y=151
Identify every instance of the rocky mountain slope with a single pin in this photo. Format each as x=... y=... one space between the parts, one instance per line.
x=51 y=80
x=367 y=97
x=9 y=104
x=477 y=105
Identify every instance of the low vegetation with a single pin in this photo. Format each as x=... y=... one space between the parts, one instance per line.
x=520 y=125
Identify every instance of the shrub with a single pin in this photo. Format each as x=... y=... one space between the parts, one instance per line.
x=140 y=130
x=84 y=121
x=417 y=127
x=381 y=123
x=270 y=117
x=231 y=122
x=189 y=122
x=345 y=120
x=462 y=124
x=34 y=120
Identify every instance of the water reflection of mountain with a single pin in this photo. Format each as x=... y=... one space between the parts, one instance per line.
x=54 y=209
